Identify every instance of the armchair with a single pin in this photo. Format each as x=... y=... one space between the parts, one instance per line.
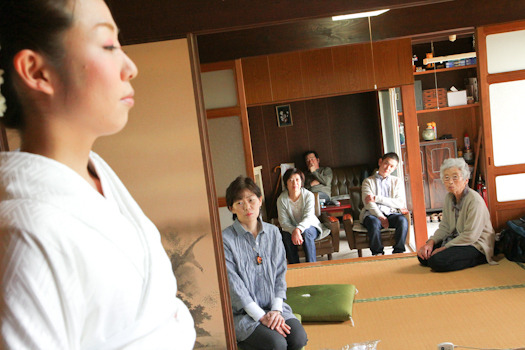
x=357 y=234
x=329 y=244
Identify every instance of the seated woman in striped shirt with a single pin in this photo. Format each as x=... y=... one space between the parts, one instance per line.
x=256 y=264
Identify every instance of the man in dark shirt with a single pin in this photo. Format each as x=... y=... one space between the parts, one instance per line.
x=317 y=179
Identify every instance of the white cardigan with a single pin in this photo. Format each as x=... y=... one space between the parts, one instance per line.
x=473 y=224
x=287 y=220
x=394 y=201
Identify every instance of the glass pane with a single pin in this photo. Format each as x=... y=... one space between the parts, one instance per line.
x=225 y=217
x=227 y=151
x=510 y=187
x=506 y=52
x=219 y=89
x=507 y=112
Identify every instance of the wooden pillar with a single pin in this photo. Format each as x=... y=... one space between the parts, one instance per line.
x=414 y=164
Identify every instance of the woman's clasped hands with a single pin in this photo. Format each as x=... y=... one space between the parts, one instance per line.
x=297 y=237
x=275 y=321
x=427 y=250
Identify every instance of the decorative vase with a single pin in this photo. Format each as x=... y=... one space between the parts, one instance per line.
x=428 y=134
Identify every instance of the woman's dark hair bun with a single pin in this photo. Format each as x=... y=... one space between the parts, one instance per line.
x=36 y=25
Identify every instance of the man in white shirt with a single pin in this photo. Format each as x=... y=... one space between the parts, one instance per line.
x=384 y=205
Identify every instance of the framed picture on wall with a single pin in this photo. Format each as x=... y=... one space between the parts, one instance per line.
x=284 y=115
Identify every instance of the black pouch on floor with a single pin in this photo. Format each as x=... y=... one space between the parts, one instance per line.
x=511 y=241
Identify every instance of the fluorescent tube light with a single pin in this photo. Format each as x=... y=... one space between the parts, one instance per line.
x=359 y=15
x=459 y=56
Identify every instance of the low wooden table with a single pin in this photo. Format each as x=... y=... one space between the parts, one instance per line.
x=338 y=210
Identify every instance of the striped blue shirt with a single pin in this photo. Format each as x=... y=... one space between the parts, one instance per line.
x=250 y=282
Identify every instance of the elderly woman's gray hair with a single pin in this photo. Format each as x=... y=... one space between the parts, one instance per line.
x=455 y=163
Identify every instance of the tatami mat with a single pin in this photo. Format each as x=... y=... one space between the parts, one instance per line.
x=408 y=307
x=489 y=320
x=404 y=276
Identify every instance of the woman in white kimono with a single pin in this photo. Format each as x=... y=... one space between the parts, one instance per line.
x=81 y=265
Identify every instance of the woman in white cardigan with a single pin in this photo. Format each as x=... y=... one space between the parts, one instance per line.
x=465 y=237
x=296 y=210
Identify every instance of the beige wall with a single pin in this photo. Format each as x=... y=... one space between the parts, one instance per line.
x=158 y=154
x=158 y=157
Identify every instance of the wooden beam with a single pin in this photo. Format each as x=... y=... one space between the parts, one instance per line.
x=159 y=20
x=4 y=147
x=506 y=77
x=245 y=124
x=222 y=202
x=414 y=164
x=220 y=263
x=223 y=65
x=223 y=112
x=429 y=21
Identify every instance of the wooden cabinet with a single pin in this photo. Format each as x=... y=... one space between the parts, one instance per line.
x=433 y=153
x=317 y=73
x=392 y=63
x=456 y=120
x=353 y=67
x=285 y=76
x=256 y=79
x=327 y=72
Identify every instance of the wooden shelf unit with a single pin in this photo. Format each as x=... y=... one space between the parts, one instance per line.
x=443 y=109
x=456 y=120
x=442 y=70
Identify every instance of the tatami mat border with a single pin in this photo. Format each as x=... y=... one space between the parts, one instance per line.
x=447 y=292
x=416 y=295
x=356 y=261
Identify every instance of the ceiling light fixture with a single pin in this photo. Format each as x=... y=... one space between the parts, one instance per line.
x=359 y=15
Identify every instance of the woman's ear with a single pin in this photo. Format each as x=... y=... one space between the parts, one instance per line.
x=33 y=71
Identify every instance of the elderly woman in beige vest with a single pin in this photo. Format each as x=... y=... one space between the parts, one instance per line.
x=465 y=237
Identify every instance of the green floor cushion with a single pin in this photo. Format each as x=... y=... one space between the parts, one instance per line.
x=323 y=302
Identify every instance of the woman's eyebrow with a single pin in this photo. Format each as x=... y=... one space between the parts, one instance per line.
x=109 y=25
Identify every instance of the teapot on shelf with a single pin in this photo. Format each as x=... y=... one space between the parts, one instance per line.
x=430 y=132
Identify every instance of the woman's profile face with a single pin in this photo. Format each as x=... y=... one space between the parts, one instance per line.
x=294 y=183
x=96 y=90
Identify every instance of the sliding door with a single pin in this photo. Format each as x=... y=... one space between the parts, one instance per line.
x=228 y=129
x=502 y=86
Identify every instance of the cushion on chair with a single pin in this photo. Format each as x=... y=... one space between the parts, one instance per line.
x=322 y=303
x=358 y=227
x=333 y=219
x=347 y=217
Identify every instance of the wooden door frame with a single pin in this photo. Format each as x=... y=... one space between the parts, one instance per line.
x=4 y=146
x=414 y=164
x=220 y=260
x=484 y=81
x=413 y=153
x=240 y=110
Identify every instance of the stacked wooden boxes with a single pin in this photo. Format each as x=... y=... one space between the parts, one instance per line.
x=432 y=98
